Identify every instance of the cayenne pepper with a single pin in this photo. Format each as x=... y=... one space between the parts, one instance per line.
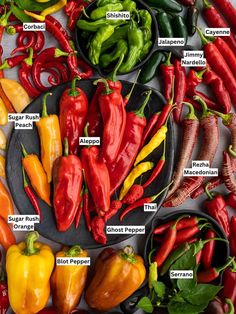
x=228 y=10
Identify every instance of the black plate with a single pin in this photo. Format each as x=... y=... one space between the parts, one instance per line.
x=30 y=139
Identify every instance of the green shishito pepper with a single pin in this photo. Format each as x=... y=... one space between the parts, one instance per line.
x=164 y=25
x=146 y=49
x=101 y=3
x=179 y=27
x=146 y=24
x=167 y=5
x=107 y=58
x=95 y=25
x=135 y=42
x=119 y=33
x=101 y=35
x=129 y=5
x=101 y=11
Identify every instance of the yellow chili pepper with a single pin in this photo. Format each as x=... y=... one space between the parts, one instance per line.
x=133 y=175
x=3 y=140
x=54 y=8
x=29 y=266
x=68 y=282
x=15 y=93
x=50 y=138
x=3 y=113
x=2 y=167
x=153 y=274
x=37 y=175
x=155 y=141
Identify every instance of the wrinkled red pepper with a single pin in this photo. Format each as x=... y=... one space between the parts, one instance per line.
x=98 y=230
x=67 y=182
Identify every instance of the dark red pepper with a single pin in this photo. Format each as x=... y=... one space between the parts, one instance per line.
x=227 y=8
x=80 y=209
x=180 y=89
x=185 y=234
x=193 y=80
x=208 y=250
x=67 y=183
x=229 y=285
x=98 y=227
x=115 y=206
x=168 y=73
x=4 y=300
x=231 y=200
x=94 y=118
x=74 y=17
x=232 y=236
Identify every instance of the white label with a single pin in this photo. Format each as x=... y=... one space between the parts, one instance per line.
x=150 y=207
x=217 y=32
x=24 y=219
x=173 y=42
x=23 y=125
x=28 y=27
x=121 y=15
x=195 y=54
x=193 y=62
x=200 y=163
x=23 y=121
x=196 y=172
x=125 y=229
x=181 y=274
x=75 y=261
x=87 y=141
x=28 y=227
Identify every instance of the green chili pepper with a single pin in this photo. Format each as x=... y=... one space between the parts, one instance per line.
x=101 y=3
x=146 y=49
x=153 y=275
x=129 y=5
x=119 y=33
x=102 y=34
x=179 y=28
x=164 y=25
x=192 y=19
x=167 y=5
x=108 y=58
x=32 y=5
x=146 y=24
x=176 y=254
x=135 y=41
x=149 y=69
x=101 y=11
x=20 y=14
x=95 y=25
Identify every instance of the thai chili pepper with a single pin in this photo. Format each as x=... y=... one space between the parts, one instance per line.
x=149 y=127
x=210 y=274
x=31 y=196
x=30 y=36
x=141 y=202
x=164 y=25
x=135 y=124
x=7 y=237
x=74 y=16
x=67 y=182
x=80 y=209
x=6 y=205
x=114 y=207
x=39 y=42
x=10 y=63
x=192 y=19
x=215 y=19
x=150 y=68
x=4 y=299
x=179 y=28
x=168 y=73
x=50 y=138
x=231 y=200
x=73 y=110
x=85 y=205
x=133 y=175
x=229 y=283
x=232 y=236
x=180 y=89
x=185 y=234
x=219 y=90
x=37 y=175
x=97 y=177
x=228 y=10
x=193 y=80
x=50 y=10
x=216 y=207
x=190 y=127
x=98 y=230
x=68 y=281
x=135 y=192
x=208 y=250
x=209 y=125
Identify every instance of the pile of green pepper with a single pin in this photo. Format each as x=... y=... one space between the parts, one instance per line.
x=109 y=39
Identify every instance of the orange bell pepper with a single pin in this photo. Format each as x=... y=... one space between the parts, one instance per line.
x=6 y=205
x=7 y=237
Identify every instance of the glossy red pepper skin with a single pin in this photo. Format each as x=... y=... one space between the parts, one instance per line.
x=25 y=40
x=97 y=178
x=229 y=285
x=149 y=127
x=74 y=15
x=232 y=237
x=231 y=200
x=208 y=249
x=39 y=41
x=185 y=234
x=183 y=223
x=94 y=119
x=180 y=89
x=67 y=182
x=98 y=230
x=193 y=80
x=4 y=300
x=54 y=27
x=115 y=206
x=168 y=72
x=73 y=110
x=228 y=10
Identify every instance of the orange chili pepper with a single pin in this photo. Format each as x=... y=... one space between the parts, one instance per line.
x=7 y=237
x=6 y=204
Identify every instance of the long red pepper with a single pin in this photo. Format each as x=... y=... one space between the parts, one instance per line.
x=4 y=299
x=213 y=183
x=85 y=205
x=228 y=10
x=32 y=197
x=80 y=209
x=57 y=30
x=180 y=89
x=10 y=63
x=168 y=73
x=184 y=235
x=98 y=227
x=229 y=284
x=59 y=66
x=193 y=80
x=39 y=41
x=149 y=127
x=232 y=236
x=22 y=46
x=208 y=250
x=94 y=118
x=134 y=193
x=115 y=206
x=74 y=17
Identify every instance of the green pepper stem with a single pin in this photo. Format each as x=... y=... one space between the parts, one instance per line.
x=107 y=88
x=29 y=59
x=172 y=91
x=226 y=118
x=4 y=18
x=191 y=114
x=73 y=92
x=200 y=74
x=208 y=193
x=181 y=217
x=10 y=30
x=59 y=53
x=150 y=256
x=133 y=85
x=231 y=151
x=206 y=4
x=207 y=224
x=219 y=269
x=29 y=243
x=25 y=183
x=4 y=65
x=85 y=14
x=114 y=73
x=230 y=306
x=140 y=112
x=152 y=198
x=66 y=147
x=205 y=111
x=168 y=63
x=86 y=129
x=204 y=40
x=128 y=254
x=73 y=251
x=214 y=239
x=24 y=152
x=44 y=111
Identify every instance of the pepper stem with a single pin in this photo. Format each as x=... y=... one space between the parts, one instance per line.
x=24 y=152
x=230 y=261
x=66 y=147
x=4 y=18
x=181 y=217
x=152 y=198
x=44 y=111
x=200 y=74
x=25 y=183
x=231 y=151
x=114 y=73
x=205 y=111
x=203 y=38
x=208 y=193
x=86 y=129
x=206 y=4
x=214 y=239
x=128 y=254
x=127 y=97
x=140 y=112
x=73 y=251
x=11 y=30
x=4 y=65
x=207 y=224
x=73 y=92
x=59 y=53
x=30 y=249
x=168 y=63
x=191 y=114
x=226 y=118
x=230 y=306
x=29 y=59
x=85 y=14
x=107 y=88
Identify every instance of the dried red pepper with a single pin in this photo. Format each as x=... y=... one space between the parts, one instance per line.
x=114 y=207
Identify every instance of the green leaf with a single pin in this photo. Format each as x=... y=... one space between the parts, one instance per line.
x=184 y=308
x=32 y=5
x=20 y=14
x=2 y=2
x=201 y=294
x=159 y=288
x=145 y=304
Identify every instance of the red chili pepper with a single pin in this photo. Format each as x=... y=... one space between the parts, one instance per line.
x=60 y=67
x=187 y=233
x=4 y=299
x=227 y=172
x=213 y=183
x=135 y=192
x=85 y=205
x=232 y=236
x=215 y=19
x=199 y=257
x=85 y=71
x=94 y=117
x=141 y=202
x=210 y=274
x=70 y=7
x=209 y=102
x=216 y=208
x=73 y=110
x=97 y=177
x=98 y=226
x=231 y=200
x=74 y=17
x=10 y=63
x=39 y=41
x=135 y=124
x=193 y=80
x=168 y=73
x=228 y=10
x=115 y=206
x=13 y=29
x=149 y=127
x=180 y=89
x=208 y=250
x=22 y=45
x=32 y=197
x=80 y=209
x=67 y=182
x=229 y=285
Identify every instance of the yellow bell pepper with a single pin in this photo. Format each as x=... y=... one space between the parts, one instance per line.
x=133 y=175
x=155 y=141
x=54 y=8
x=3 y=140
x=2 y=167
x=29 y=266
x=15 y=93
x=3 y=113
x=50 y=138
x=68 y=282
